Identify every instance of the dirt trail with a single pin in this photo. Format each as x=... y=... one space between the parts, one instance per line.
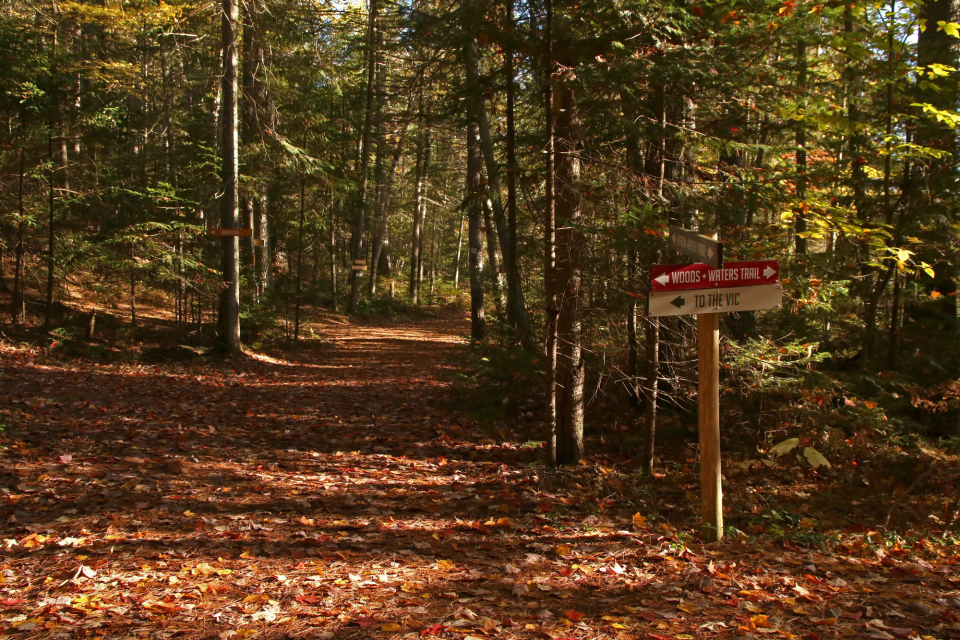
x=333 y=493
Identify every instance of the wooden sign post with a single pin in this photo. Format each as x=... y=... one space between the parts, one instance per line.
x=708 y=394
x=706 y=290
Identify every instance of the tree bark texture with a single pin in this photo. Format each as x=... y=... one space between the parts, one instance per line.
x=419 y=213
x=478 y=321
x=800 y=223
x=358 y=251
x=567 y=278
x=516 y=306
x=229 y=308
x=549 y=234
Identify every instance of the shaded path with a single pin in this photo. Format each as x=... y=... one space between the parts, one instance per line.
x=333 y=493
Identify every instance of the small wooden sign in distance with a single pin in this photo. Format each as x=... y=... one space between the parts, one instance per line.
x=257 y=242
x=697 y=247
x=241 y=233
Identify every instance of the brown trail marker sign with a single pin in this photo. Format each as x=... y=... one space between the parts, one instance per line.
x=242 y=233
x=707 y=290
x=698 y=247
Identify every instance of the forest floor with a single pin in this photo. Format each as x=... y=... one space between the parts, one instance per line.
x=335 y=492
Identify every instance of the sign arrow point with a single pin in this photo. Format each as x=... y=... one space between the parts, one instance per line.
x=769 y=272
x=664 y=279
x=678 y=302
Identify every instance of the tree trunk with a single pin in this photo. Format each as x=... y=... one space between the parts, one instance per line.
x=419 y=215
x=549 y=235
x=456 y=261
x=358 y=252
x=650 y=392
x=433 y=253
x=51 y=238
x=333 y=252
x=379 y=173
x=570 y=366
x=229 y=307
x=510 y=257
x=516 y=306
x=800 y=224
x=381 y=237
x=264 y=259
x=633 y=355
x=296 y=315
x=493 y=257
x=478 y=322
x=133 y=292
x=17 y=299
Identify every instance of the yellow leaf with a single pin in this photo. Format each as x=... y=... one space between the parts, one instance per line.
x=256 y=597
x=564 y=550
x=639 y=520
x=188 y=513
x=445 y=564
x=687 y=608
x=761 y=622
x=390 y=626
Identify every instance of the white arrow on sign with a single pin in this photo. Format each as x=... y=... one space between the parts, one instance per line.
x=710 y=253
x=664 y=279
x=769 y=272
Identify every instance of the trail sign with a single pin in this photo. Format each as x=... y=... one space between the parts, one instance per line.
x=698 y=247
x=242 y=233
x=257 y=242
x=676 y=277
x=687 y=302
x=706 y=290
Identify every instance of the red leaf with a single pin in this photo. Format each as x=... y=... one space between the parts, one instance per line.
x=435 y=630
x=10 y=601
x=364 y=622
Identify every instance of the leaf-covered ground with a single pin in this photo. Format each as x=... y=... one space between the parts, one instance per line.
x=333 y=493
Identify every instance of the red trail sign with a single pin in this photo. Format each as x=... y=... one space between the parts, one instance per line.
x=678 y=277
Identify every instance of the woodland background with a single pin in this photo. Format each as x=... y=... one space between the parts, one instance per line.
x=232 y=437
x=533 y=153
